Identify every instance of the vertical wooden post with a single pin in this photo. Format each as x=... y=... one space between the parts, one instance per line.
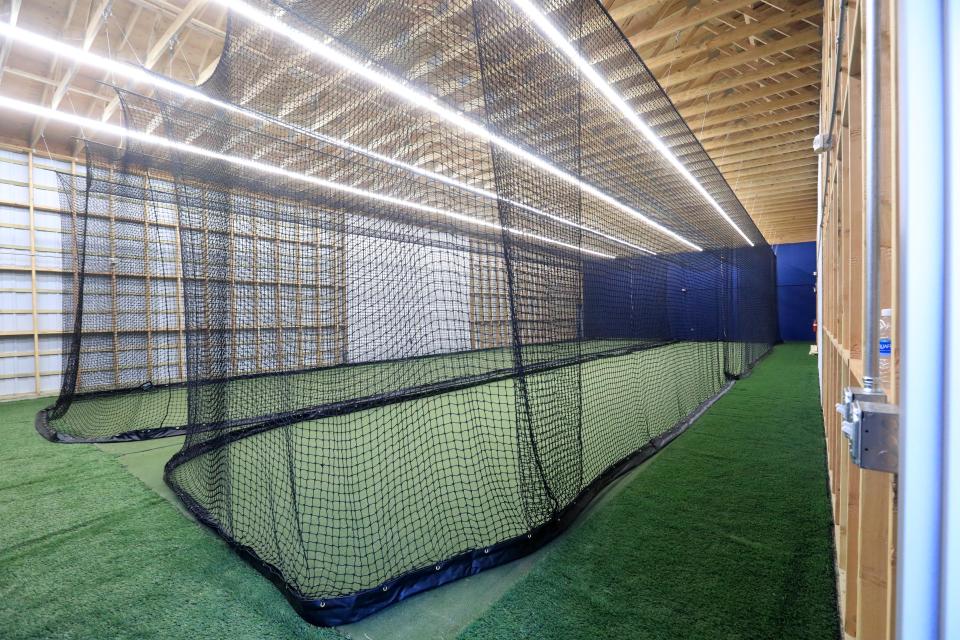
x=321 y=352
x=256 y=281
x=147 y=288
x=232 y=267
x=299 y=324
x=114 y=287
x=874 y=612
x=278 y=320
x=180 y=287
x=33 y=273
x=340 y=288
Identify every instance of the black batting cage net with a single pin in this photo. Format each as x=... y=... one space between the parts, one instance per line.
x=415 y=280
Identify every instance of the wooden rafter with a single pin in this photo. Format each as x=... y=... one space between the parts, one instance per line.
x=763 y=133
x=692 y=17
x=802 y=39
x=634 y=9
x=15 y=6
x=161 y=46
x=764 y=73
x=772 y=88
x=766 y=161
x=741 y=33
x=766 y=108
x=97 y=19
x=741 y=124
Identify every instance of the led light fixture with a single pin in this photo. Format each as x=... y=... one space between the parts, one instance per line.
x=149 y=138
x=550 y=31
x=140 y=75
x=429 y=103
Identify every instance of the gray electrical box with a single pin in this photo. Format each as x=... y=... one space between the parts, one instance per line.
x=878 y=443
x=872 y=427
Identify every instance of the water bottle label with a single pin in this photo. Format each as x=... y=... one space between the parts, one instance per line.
x=884 y=346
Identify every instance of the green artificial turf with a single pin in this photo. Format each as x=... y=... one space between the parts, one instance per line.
x=86 y=551
x=726 y=534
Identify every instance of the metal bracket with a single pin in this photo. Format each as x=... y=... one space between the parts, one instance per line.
x=873 y=428
x=879 y=427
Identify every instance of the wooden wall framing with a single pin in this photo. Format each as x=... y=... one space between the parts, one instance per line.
x=864 y=502
x=29 y=264
x=32 y=272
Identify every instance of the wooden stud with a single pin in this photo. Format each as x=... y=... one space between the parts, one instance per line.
x=33 y=273
x=148 y=291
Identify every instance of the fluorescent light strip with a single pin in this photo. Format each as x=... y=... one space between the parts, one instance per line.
x=121 y=132
x=431 y=104
x=138 y=74
x=546 y=27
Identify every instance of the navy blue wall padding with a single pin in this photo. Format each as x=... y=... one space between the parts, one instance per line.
x=674 y=297
x=796 y=289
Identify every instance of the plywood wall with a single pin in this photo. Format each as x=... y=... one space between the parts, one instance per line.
x=864 y=502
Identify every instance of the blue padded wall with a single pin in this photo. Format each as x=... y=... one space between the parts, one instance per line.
x=683 y=296
x=797 y=296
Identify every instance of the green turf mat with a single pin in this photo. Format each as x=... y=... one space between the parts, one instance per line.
x=86 y=551
x=726 y=534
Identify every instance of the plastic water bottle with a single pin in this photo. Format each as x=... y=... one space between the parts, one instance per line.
x=885 y=348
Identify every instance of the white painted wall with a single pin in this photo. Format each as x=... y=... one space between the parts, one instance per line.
x=406 y=299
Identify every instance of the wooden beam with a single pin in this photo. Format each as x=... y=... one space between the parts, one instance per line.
x=169 y=9
x=773 y=200
x=697 y=15
x=161 y=46
x=792 y=211
x=792 y=190
x=8 y=43
x=33 y=271
x=764 y=73
x=786 y=214
x=805 y=166
x=632 y=9
x=778 y=194
x=746 y=97
x=773 y=21
x=789 y=151
x=772 y=163
x=805 y=176
x=763 y=133
x=802 y=39
x=774 y=107
x=768 y=144
x=97 y=19
x=782 y=181
x=725 y=151
x=740 y=126
x=772 y=196
x=766 y=160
